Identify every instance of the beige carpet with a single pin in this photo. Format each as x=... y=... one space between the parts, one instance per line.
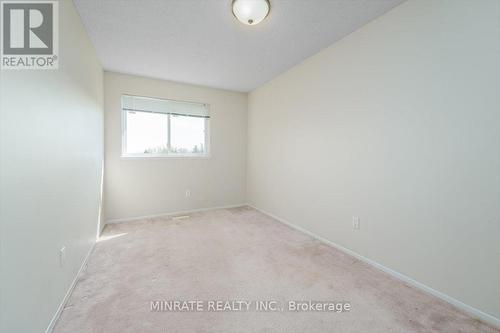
x=240 y=254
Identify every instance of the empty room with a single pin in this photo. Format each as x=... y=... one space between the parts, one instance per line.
x=223 y=166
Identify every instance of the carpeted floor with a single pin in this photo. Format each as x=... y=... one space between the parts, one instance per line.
x=241 y=255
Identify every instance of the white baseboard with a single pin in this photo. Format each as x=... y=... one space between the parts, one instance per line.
x=458 y=304
x=68 y=293
x=129 y=219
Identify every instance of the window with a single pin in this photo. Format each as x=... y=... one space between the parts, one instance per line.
x=155 y=127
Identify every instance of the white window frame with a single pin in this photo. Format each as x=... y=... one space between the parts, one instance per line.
x=126 y=155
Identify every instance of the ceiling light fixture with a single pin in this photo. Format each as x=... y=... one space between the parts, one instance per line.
x=251 y=12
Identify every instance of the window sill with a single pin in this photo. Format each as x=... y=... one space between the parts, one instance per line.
x=166 y=157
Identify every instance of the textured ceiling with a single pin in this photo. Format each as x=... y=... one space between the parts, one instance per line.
x=200 y=42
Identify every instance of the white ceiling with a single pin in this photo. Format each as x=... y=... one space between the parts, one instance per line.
x=200 y=42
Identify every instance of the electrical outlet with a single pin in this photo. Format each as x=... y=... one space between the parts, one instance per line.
x=355 y=222
x=62 y=256
x=188 y=193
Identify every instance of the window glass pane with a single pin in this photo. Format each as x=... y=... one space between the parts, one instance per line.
x=187 y=135
x=146 y=132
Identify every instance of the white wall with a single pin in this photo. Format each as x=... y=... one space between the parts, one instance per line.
x=139 y=187
x=51 y=165
x=399 y=124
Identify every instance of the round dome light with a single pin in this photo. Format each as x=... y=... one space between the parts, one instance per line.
x=251 y=12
